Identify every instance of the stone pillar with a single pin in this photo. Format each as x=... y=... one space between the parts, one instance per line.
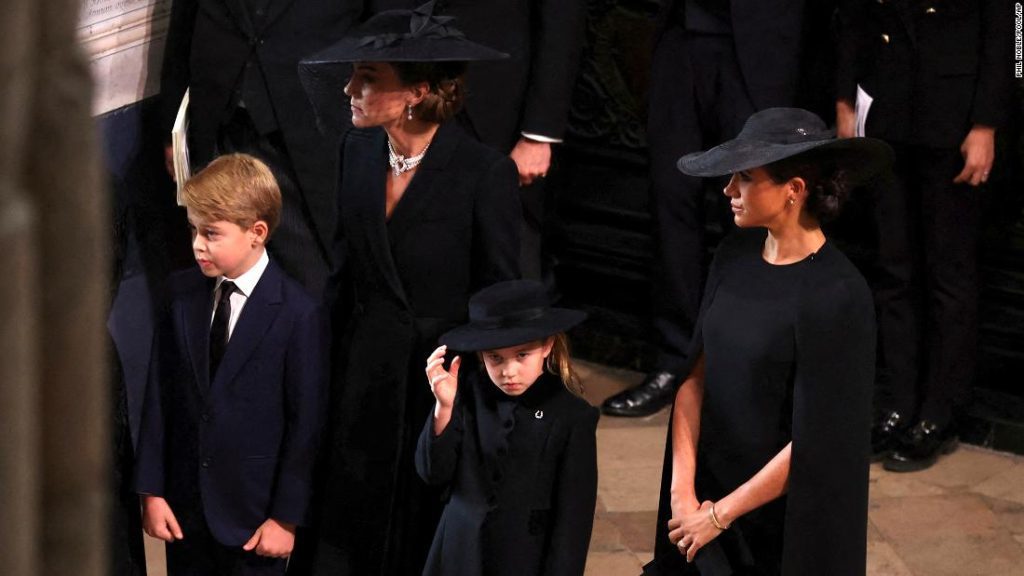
x=19 y=461
x=53 y=231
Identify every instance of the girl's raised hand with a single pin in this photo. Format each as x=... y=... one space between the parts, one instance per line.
x=443 y=383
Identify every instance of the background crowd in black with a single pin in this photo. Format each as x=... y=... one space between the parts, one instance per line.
x=583 y=80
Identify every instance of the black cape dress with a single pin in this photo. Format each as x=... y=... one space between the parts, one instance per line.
x=789 y=356
x=522 y=477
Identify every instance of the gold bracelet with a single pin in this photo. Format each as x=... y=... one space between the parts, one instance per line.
x=714 y=519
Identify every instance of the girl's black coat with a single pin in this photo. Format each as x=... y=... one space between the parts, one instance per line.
x=522 y=474
x=404 y=282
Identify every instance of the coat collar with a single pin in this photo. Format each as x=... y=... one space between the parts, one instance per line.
x=260 y=310
x=251 y=25
x=905 y=12
x=365 y=174
x=274 y=10
x=365 y=166
x=496 y=414
x=196 y=314
x=419 y=193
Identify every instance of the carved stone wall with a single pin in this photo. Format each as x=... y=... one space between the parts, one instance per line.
x=124 y=40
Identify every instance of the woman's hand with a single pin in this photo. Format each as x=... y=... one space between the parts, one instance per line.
x=443 y=383
x=697 y=530
x=681 y=506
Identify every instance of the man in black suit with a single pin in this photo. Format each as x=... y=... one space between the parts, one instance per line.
x=938 y=73
x=519 y=106
x=715 y=63
x=240 y=59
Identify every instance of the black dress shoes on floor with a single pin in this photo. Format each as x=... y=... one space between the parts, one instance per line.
x=644 y=399
x=920 y=446
x=886 y=431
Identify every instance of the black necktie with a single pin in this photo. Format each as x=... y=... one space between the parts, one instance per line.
x=219 y=327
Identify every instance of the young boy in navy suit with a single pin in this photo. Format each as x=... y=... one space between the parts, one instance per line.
x=234 y=406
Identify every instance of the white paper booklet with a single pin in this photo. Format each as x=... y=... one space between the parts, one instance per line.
x=861 y=108
x=179 y=144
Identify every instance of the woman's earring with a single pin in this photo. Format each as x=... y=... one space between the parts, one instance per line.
x=792 y=201
x=409 y=107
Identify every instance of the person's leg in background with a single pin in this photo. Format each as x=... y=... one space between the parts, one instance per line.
x=896 y=287
x=676 y=204
x=698 y=99
x=950 y=216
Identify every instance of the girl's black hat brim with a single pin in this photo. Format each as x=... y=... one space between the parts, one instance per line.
x=475 y=336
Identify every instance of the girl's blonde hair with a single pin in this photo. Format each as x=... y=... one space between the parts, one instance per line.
x=559 y=363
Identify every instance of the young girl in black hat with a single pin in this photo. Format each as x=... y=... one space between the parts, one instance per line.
x=514 y=443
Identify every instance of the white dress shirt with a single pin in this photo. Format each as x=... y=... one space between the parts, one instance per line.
x=244 y=285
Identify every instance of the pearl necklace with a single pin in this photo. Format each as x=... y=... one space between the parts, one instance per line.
x=400 y=164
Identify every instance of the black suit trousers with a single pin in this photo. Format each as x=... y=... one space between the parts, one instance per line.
x=294 y=244
x=698 y=100
x=926 y=284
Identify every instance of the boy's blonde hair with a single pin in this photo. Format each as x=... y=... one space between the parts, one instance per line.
x=237 y=188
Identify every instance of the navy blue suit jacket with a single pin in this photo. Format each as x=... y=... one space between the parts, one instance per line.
x=246 y=442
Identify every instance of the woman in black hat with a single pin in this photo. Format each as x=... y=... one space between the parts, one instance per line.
x=427 y=217
x=766 y=471
x=514 y=444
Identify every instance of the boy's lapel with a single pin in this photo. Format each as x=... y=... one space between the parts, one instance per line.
x=196 y=315
x=257 y=316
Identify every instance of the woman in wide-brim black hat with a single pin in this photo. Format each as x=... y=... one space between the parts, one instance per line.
x=427 y=216
x=767 y=467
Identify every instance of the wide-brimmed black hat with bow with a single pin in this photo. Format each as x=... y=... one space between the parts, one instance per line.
x=778 y=133
x=510 y=313
x=391 y=36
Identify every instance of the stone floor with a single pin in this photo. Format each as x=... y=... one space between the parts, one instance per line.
x=962 y=517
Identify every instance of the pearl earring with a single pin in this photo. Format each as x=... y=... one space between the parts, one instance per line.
x=792 y=201
x=409 y=107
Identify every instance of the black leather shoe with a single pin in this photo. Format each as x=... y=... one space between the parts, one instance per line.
x=920 y=446
x=644 y=399
x=886 y=431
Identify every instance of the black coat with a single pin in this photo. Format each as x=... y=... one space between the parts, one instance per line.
x=933 y=67
x=455 y=230
x=522 y=474
x=244 y=444
x=532 y=90
x=768 y=38
x=214 y=46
